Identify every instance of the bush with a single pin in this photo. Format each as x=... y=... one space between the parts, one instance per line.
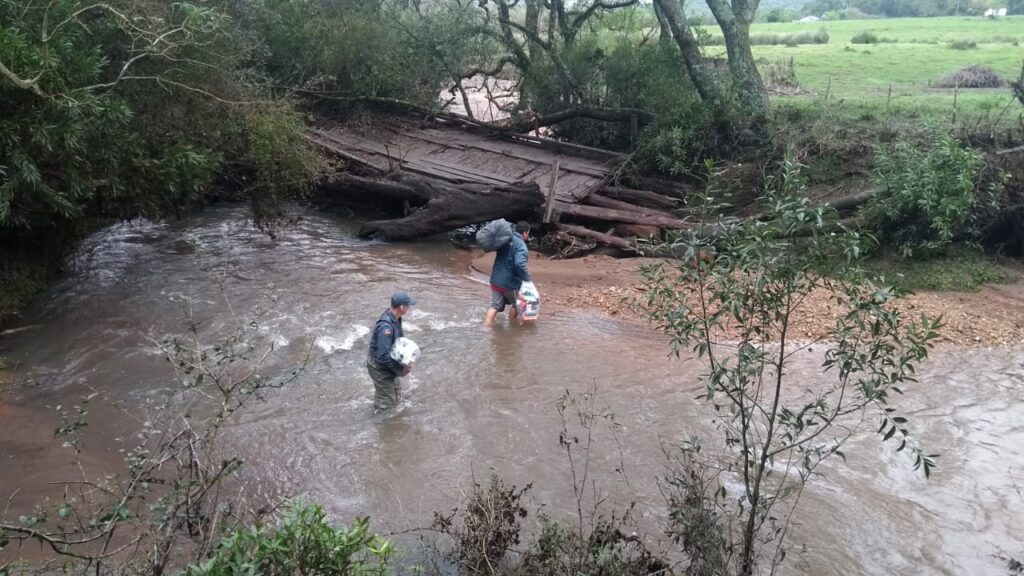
x=487 y=529
x=869 y=37
x=975 y=76
x=927 y=195
x=304 y=544
x=963 y=45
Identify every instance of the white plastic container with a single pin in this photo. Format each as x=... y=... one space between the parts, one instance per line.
x=529 y=302
x=405 y=351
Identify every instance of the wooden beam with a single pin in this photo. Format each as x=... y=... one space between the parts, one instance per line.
x=551 y=193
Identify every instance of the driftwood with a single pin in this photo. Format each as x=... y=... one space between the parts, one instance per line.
x=626 y=216
x=437 y=206
x=641 y=197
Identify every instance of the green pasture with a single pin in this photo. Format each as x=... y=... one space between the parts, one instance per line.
x=917 y=52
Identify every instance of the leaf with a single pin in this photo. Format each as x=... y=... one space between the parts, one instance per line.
x=889 y=434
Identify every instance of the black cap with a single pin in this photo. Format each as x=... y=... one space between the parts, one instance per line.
x=402 y=298
x=522 y=226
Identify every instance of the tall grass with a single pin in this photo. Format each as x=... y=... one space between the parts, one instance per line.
x=793 y=39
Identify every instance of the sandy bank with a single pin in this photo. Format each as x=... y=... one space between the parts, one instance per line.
x=993 y=316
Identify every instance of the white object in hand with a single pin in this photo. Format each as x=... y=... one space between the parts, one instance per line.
x=405 y=351
x=529 y=301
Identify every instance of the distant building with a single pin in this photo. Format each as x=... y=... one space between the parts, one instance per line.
x=809 y=19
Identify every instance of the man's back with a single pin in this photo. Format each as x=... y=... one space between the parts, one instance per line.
x=510 y=265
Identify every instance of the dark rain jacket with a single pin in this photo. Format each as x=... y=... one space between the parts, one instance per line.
x=385 y=333
x=510 y=271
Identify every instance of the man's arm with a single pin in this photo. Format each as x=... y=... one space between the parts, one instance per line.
x=521 y=256
x=382 y=349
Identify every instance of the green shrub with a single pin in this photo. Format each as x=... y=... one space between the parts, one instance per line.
x=963 y=45
x=304 y=544
x=927 y=195
x=869 y=37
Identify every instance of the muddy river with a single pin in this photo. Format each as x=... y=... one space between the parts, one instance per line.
x=479 y=400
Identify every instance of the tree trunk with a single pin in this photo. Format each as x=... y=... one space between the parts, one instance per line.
x=665 y=35
x=533 y=25
x=703 y=78
x=734 y=19
x=438 y=207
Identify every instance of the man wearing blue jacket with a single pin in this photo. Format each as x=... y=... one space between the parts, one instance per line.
x=384 y=370
x=508 y=274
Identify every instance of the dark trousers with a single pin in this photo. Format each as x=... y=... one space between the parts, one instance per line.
x=385 y=387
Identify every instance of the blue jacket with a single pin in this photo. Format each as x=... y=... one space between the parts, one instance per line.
x=387 y=330
x=509 y=269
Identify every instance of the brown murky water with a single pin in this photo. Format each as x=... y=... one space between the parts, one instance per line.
x=479 y=400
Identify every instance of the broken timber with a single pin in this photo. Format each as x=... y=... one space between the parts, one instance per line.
x=442 y=177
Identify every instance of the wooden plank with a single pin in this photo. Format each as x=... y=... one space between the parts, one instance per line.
x=468 y=169
x=420 y=136
x=568 y=166
x=338 y=151
x=464 y=171
x=551 y=193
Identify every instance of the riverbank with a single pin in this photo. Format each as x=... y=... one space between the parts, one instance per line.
x=992 y=316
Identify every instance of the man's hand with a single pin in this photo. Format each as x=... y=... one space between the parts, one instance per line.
x=406 y=370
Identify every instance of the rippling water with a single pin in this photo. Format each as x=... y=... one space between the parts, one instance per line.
x=478 y=400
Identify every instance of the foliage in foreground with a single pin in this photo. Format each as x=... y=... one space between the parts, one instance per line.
x=736 y=311
x=304 y=543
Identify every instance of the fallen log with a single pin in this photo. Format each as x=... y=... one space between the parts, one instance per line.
x=641 y=197
x=637 y=231
x=606 y=202
x=665 y=187
x=439 y=206
x=851 y=202
x=400 y=187
x=598 y=237
x=617 y=216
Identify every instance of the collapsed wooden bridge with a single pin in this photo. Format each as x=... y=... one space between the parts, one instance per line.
x=452 y=172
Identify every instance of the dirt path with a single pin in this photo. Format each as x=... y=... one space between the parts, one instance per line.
x=993 y=316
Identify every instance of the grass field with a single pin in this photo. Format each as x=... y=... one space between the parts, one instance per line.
x=919 y=53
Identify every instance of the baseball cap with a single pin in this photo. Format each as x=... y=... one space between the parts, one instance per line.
x=402 y=298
